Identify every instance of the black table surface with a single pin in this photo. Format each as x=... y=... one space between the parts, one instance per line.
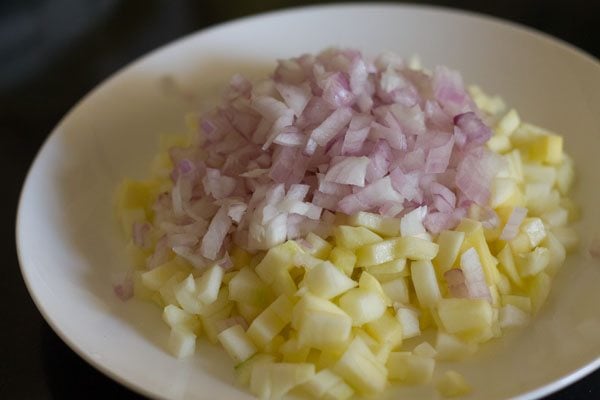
x=52 y=52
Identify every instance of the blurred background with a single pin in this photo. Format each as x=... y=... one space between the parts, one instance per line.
x=52 y=52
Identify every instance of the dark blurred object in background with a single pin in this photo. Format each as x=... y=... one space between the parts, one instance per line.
x=35 y=32
x=52 y=52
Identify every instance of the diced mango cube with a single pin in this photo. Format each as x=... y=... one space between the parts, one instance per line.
x=397 y=290
x=565 y=175
x=236 y=343
x=547 y=149
x=522 y=302
x=247 y=288
x=508 y=124
x=182 y=342
x=425 y=282
x=534 y=229
x=409 y=368
x=450 y=243
x=453 y=384
x=534 y=262
x=425 y=350
x=386 y=329
x=278 y=257
x=352 y=237
x=343 y=259
x=155 y=278
x=319 y=247
x=376 y=253
x=361 y=370
x=415 y=248
x=271 y=321
x=326 y=281
x=312 y=314
x=539 y=288
x=409 y=319
x=322 y=383
x=451 y=348
x=362 y=305
x=385 y=226
x=291 y=351
x=461 y=316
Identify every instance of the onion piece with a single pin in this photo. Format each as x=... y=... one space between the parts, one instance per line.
x=141 y=234
x=217 y=185
x=475 y=173
x=124 y=289
x=373 y=195
x=511 y=228
x=349 y=171
x=217 y=230
x=295 y=96
x=229 y=322
x=473 y=127
x=474 y=276
x=331 y=126
x=457 y=286
x=357 y=133
x=438 y=158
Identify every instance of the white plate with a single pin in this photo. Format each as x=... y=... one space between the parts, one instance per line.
x=69 y=246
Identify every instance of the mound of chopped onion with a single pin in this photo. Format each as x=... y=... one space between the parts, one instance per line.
x=328 y=133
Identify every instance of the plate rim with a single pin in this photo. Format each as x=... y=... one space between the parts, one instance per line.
x=26 y=272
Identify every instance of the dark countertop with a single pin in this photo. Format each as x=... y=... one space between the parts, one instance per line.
x=53 y=52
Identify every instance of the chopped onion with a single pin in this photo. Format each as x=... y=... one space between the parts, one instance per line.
x=327 y=133
x=457 y=286
x=331 y=126
x=124 y=289
x=229 y=322
x=511 y=228
x=217 y=230
x=474 y=275
x=141 y=234
x=473 y=127
x=349 y=171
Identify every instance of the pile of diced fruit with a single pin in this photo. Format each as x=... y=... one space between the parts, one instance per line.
x=316 y=219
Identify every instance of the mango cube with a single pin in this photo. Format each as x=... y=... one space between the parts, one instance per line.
x=376 y=253
x=384 y=226
x=361 y=370
x=278 y=257
x=450 y=243
x=271 y=321
x=182 y=342
x=461 y=316
x=386 y=329
x=415 y=248
x=425 y=283
x=547 y=149
x=320 y=323
x=327 y=281
x=236 y=343
x=343 y=259
x=453 y=384
x=351 y=237
x=362 y=305
x=409 y=368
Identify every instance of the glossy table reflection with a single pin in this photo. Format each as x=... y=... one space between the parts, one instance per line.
x=52 y=53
